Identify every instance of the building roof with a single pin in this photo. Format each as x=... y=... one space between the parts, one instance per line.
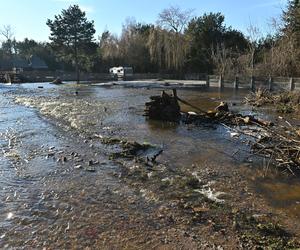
x=34 y=63
x=6 y=64
x=18 y=62
x=37 y=63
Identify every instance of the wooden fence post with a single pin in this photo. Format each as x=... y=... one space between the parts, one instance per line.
x=236 y=82
x=207 y=81
x=221 y=82
x=252 y=83
x=270 y=83
x=292 y=84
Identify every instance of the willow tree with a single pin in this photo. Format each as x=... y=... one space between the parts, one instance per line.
x=167 y=43
x=168 y=49
x=128 y=49
x=109 y=46
x=72 y=35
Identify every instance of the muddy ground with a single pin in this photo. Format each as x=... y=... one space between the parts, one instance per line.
x=78 y=171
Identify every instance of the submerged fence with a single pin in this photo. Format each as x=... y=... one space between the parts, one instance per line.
x=270 y=83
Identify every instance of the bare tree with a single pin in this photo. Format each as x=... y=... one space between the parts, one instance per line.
x=9 y=42
x=254 y=35
x=7 y=32
x=223 y=60
x=280 y=55
x=174 y=19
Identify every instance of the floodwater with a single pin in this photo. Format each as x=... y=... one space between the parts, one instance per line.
x=52 y=196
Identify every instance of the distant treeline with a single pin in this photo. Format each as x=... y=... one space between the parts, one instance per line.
x=177 y=43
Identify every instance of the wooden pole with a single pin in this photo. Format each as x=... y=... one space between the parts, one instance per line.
x=292 y=84
x=207 y=81
x=270 y=83
x=174 y=93
x=221 y=82
x=252 y=83
x=236 y=82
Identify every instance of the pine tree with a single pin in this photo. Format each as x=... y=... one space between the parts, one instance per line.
x=291 y=18
x=71 y=35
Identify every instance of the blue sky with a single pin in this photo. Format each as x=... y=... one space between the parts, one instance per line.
x=28 y=17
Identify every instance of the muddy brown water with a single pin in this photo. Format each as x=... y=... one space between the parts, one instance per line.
x=48 y=201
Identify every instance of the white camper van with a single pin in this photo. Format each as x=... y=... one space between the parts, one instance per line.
x=121 y=72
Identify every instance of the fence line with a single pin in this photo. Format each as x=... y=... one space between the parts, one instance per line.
x=270 y=83
x=240 y=82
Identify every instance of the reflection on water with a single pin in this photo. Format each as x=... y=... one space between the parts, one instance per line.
x=282 y=194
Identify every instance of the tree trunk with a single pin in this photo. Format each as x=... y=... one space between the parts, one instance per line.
x=77 y=73
x=77 y=64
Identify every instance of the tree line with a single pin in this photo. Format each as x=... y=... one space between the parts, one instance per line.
x=177 y=43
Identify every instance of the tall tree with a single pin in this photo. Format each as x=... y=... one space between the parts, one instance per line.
x=212 y=42
x=168 y=46
x=27 y=47
x=174 y=19
x=291 y=18
x=9 y=43
x=205 y=33
x=254 y=36
x=72 y=35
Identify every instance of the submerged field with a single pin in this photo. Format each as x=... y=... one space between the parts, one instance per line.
x=73 y=174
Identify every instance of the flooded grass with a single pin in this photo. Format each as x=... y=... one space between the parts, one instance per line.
x=93 y=172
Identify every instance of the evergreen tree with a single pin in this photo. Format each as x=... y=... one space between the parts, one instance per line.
x=291 y=18
x=72 y=36
x=290 y=40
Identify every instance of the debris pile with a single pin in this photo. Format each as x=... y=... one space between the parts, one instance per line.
x=281 y=145
x=286 y=102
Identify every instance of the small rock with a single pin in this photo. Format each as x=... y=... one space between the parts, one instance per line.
x=78 y=167
x=78 y=159
x=74 y=154
x=90 y=169
x=200 y=209
x=50 y=154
